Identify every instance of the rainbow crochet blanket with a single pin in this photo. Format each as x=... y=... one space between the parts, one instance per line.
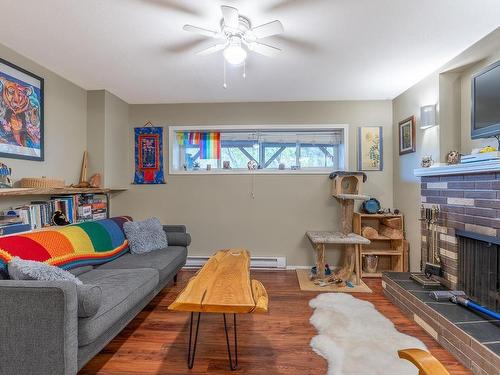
x=72 y=246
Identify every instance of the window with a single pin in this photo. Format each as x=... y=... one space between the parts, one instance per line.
x=305 y=149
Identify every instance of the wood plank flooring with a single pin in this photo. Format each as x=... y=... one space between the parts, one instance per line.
x=155 y=342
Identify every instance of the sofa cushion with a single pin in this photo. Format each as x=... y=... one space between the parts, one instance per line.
x=78 y=271
x=145 y=236
x=121 y=291
x=166 y=261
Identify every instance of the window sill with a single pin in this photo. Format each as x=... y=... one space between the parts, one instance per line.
x=319 y=171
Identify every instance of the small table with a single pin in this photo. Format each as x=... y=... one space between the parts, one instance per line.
x=222 y=285
x=320 y=238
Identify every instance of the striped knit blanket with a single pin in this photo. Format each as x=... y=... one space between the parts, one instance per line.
x=72 y=246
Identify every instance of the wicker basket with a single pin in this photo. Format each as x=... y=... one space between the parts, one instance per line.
x=42 y=183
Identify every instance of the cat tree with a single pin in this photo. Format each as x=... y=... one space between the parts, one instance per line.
x=346 y=188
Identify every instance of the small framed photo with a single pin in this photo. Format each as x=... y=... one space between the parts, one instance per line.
x=370 y=148
x=407 y=136
x=21 y=113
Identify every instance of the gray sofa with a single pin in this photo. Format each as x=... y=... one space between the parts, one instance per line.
x=40 y=332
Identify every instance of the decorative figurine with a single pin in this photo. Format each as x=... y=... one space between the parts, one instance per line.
x=226 y=164
x=427 y=161
x=453 y=157
x=252 y=165
x=59 y=219
x=95 y=181
x=281 y=166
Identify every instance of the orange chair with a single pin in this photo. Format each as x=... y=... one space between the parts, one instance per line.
x=426 y=363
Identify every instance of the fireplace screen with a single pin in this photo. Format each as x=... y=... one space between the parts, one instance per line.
x=478 y=265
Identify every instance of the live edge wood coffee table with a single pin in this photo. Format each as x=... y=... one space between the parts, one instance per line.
x=221 y=286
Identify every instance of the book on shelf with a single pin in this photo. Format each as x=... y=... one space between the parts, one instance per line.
x=77 y=208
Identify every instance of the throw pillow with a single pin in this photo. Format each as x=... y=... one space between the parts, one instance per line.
x=88 y=296
x=20 y=269
x=145 y=236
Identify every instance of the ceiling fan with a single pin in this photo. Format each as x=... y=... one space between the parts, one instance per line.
x=236 y=33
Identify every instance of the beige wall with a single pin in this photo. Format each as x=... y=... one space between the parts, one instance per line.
x=219 y=210
x=406 y=186
x=108 y=137
x=65 y=125
x=116 y=141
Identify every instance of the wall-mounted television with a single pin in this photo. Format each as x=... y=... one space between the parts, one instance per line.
x=486 y=102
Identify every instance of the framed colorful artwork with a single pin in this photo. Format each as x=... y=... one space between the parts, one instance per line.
x=370 y=148
x=407 y=138
x=21 y=113
x=149 y=155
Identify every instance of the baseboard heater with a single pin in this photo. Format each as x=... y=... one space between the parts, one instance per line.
x=263 y=263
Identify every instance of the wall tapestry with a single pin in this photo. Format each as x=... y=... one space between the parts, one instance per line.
x=407 y=142
x=370 y=148
x=21 y=113
x=149 y=155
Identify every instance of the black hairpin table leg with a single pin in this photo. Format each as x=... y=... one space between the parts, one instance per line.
x=232 y=365
x=190 y=360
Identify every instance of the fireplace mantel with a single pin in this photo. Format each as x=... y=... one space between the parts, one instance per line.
x=444 y=169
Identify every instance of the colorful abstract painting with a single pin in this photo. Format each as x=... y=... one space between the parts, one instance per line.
x=370 y=148
x=21 y=113
x=149 y=155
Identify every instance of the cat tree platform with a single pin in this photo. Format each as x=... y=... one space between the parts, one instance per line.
x=319 y=240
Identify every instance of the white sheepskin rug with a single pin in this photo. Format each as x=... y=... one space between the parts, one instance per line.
x=356 y=339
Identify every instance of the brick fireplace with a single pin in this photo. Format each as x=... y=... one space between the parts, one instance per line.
x=468 y=239
x=467 y=203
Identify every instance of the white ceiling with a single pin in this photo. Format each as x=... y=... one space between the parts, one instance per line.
x=333 y=49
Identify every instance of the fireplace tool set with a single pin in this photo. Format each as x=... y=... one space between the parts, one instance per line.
x=431 y=261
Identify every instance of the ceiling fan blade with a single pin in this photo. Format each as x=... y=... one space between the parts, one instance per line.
x=213 y=49
x=264 y=49
x=200 y=30
x=268 y=29
x=230 y=15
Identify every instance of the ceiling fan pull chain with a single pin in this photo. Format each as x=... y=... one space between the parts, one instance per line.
x=225 y=84
x=244 y=69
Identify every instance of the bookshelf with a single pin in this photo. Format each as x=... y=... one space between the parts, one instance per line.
x=14 y=192
x=78 y=204
x=390 y=251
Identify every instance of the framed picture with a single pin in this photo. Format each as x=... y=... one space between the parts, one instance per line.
x=407 y=138
x=370 y=148
x=21 y=113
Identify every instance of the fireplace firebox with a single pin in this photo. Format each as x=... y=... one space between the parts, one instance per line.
x=478 y=266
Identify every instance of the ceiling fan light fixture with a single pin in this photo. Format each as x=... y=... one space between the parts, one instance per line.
x=234 y=53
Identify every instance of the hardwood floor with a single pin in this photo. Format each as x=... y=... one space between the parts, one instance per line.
x=155 y=342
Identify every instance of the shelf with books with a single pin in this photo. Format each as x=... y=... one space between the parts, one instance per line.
x=10 y=192
x=78 y=207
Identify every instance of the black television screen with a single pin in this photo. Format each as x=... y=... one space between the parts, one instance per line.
x=486 y=102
